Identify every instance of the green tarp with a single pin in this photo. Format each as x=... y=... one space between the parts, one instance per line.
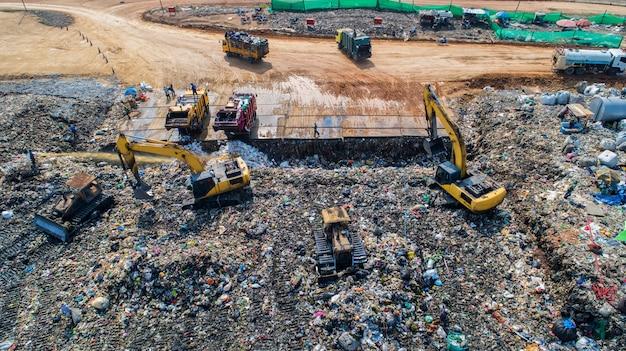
x=575 y=37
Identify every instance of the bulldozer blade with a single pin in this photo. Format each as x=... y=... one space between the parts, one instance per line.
x=50 y=227
x=434 y=147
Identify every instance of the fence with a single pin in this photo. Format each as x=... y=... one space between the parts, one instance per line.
x=568 y=37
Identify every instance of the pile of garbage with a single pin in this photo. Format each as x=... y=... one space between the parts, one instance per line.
x=543 y=271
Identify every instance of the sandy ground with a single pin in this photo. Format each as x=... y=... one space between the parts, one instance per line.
x=137 y=51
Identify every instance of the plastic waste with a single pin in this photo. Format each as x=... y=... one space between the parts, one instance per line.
x=562 y=97
x=457 y=341
x=548 y=99
x=7 y=214
x=586 y=344
x=565 y=329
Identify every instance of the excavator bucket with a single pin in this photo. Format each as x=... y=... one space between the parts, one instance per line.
x=434 y=147
x=142 y=191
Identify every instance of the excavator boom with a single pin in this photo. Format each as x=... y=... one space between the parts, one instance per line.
x=476 y=192
x=216 y=182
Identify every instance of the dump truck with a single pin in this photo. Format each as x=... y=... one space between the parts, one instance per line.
x=475 y=191
x=223 y=183
x=74 y=207
x=337 y=247
x=581 y=61
x=242 y=44
x=189 y=112
x=238 y=116
x=356 y=45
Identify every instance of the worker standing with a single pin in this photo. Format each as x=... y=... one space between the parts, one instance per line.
x=316 y=134
x=194 y=89
x=74 y=132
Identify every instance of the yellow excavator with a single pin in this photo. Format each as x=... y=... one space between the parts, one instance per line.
x=212 y=186
x=476 y=192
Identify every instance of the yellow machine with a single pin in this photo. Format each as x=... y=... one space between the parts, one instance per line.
x=242 y=44
x=74 y=208
x=337 y=248
x=189 y=112
x=214 y=185
x=476 y=192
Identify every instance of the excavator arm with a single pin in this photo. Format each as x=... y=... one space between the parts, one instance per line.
x=435 y=111
x=126 y=150
x=214 y=184
x=476 y=191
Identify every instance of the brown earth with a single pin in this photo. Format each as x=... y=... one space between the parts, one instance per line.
x=159 y=54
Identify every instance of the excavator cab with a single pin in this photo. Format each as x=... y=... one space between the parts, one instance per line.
x=447 y=173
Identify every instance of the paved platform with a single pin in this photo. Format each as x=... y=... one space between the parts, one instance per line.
x=278 y=119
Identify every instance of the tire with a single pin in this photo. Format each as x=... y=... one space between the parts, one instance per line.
x=580 y=71
x=612 y=71
x=570 y=70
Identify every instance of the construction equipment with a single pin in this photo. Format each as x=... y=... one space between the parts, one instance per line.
x=189 y=112
x=242 y=44
x=476 y=192
x=474 y=17
x=214 y=185
x=427 y=18
x=238 y=116
x=74 y=208
x=356 y=45
x=570 y=61
x=442 y=19
x=337 y=248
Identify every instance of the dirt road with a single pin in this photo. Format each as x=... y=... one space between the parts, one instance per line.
x=118 y=42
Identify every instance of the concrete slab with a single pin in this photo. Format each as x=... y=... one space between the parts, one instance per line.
x=277 y=119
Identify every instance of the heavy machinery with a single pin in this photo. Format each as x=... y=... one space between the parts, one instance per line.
x=238 y=116
x=242 y=44
x=427 y=18
x=356 y=45
x=74 y=208
x=579 y=61
x=189 y=112
x=214 y=185
x=337 y=248
x=476 y=191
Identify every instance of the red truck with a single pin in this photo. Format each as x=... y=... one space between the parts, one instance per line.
x=237 y=117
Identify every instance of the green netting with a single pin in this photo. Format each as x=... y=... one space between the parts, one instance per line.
x=576 y=37
x=607 y=19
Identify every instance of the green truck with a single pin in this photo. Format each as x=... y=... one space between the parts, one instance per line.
x=356 y=45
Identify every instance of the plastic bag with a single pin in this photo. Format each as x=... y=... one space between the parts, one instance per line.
x=457 y=342
x=565 y=330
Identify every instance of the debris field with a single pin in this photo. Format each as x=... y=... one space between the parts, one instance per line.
x=150 y=275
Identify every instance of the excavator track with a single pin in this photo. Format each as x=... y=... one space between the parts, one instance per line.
x=99 y=203
x=325 y=260
x=280 y=299
x=358 y=256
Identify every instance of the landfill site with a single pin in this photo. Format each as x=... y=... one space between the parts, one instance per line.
x=417 y=195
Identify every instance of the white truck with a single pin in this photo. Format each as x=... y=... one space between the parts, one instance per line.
x=580 y=61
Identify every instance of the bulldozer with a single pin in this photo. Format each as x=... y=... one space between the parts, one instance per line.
x=337 y=248
x=74 y=208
